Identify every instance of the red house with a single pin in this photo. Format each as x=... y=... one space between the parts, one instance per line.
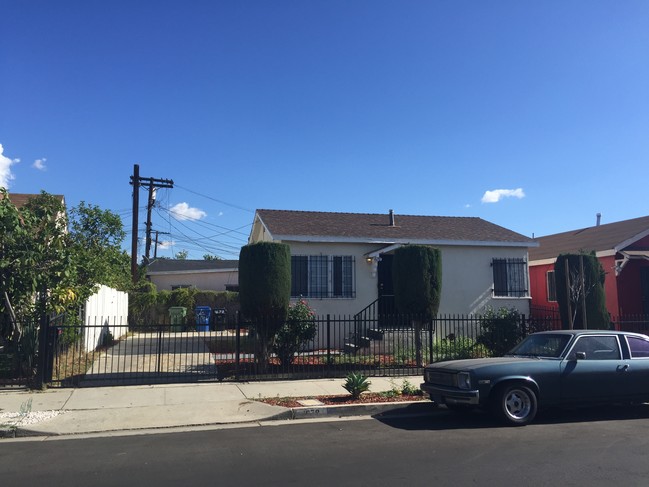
x=621 y=247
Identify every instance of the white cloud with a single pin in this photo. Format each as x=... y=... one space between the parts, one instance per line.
x=496 y=195
x=5 y=169
x=40 y=164
x=165 y=244
x=182 y=211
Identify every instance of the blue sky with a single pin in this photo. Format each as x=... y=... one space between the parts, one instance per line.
x=424 y=107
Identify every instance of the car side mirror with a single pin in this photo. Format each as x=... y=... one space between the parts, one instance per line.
x=580 y=355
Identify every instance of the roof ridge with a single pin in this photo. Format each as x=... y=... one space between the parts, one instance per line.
x=367 y=214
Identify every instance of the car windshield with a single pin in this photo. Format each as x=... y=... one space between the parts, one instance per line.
x=542 y=345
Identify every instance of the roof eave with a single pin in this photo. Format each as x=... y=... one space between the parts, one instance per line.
x=386 y=241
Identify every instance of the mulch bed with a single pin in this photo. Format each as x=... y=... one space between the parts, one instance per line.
x=366 y=398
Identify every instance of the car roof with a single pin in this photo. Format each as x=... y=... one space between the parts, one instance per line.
x=589 y=332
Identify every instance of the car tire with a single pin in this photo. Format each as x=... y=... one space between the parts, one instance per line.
x=515 y=404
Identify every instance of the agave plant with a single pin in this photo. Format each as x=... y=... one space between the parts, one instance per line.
x=356 y=384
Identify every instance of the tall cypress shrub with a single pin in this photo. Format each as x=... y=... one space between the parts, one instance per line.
x=265 y=289
x=417 y=279
x=570 y=291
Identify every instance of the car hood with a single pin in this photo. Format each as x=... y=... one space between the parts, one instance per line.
x=479 y=363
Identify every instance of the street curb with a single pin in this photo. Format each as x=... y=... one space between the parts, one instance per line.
x=403 y=408
x=375 y=410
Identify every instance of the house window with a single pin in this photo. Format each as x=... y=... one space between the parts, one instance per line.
x=510 y=278
x=551 y=286
x=322 y=276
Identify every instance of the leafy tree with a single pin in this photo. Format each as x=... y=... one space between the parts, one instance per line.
x=211 y=257
x=95 y=242
x=46 y=269
x=265 y=289
x=182 y=255
x=417 y=278
x=578 y=288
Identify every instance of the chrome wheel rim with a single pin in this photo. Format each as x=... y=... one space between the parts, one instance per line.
x=518 y=404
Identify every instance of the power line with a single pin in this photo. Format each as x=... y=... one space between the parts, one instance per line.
x=216 y=200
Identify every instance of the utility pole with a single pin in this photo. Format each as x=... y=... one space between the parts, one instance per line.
x=155 y=249
x=152 y=183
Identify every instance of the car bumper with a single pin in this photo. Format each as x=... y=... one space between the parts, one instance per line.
x=447 y=395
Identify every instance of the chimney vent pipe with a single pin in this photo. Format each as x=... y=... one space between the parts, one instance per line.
x=391 y=218
x=599 y=219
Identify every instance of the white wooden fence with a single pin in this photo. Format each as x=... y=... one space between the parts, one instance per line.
x=106 y=312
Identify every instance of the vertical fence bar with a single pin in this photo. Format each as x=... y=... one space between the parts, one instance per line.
x=237 y=346
x=328 y=339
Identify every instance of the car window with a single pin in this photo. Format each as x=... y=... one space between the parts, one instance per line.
x=596 y=348
x=639 y=347
x=541 y=345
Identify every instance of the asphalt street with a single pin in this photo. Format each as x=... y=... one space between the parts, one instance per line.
x=591 y=447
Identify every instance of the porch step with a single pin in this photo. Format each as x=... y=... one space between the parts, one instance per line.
x=363 y=341
x=351 y=348
x=375 y=334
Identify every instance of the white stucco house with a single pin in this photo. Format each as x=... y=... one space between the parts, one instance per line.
x=342 y=262
x=207 y=275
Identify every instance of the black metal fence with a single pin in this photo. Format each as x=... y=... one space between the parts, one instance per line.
x=110 y=352
x=386 y=345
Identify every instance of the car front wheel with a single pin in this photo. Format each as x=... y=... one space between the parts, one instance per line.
x=515 y=404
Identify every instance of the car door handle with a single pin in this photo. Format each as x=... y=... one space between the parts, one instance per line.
x=623 y=368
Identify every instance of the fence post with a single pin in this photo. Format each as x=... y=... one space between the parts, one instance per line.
x=328 y=339
x=159 y=361
x=237 y=346
x=431 y=328
x=39 y=379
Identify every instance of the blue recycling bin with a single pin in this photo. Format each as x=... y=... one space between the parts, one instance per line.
x=202 y=316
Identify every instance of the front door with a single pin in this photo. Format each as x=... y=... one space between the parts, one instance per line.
x=386 y=288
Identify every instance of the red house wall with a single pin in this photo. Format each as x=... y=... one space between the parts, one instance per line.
x=539 y=291
x=538 y=286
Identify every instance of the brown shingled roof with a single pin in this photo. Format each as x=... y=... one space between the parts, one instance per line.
x=20 y=199
x=284 y=224
x=598 y=238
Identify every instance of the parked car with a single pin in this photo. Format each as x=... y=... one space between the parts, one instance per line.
x=555 y=368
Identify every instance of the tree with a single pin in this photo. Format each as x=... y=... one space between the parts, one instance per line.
x=182 y=255
x=265 y=290
x=34 y=263
x=211 y=257
x=44 y=269
x=97 y=257
x=417 y=279
x=580 y=291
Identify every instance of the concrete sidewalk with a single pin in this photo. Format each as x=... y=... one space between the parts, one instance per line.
x=135 y=408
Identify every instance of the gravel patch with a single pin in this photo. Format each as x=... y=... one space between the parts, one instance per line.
x=22 y=419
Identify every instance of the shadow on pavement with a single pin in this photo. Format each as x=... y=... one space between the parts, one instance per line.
x=442 y=419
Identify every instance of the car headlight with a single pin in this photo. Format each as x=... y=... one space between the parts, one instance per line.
x=464 y=380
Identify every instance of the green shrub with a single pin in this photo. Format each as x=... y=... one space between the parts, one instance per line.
x=501 y=330
x=299 y=329
x=265 y=290
x=408 y=389
x=458 y=348
x=356 y=384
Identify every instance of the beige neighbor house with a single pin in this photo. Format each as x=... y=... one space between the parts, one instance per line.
x=207 y=275
x=342 y=262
